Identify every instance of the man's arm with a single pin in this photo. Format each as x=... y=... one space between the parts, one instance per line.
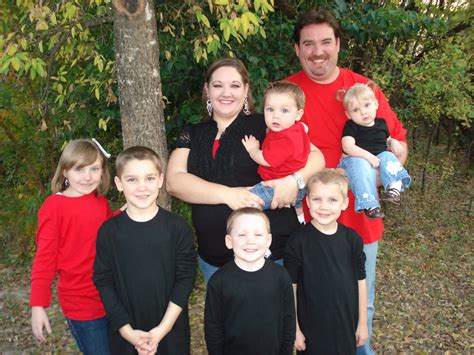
x=395 y=127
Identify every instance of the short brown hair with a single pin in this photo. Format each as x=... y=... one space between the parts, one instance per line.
x=315 y=17
x=83 y=152
x=288 y=88
x=246 y=211
x=137 y=152
x=241 y=69
x=329 y=176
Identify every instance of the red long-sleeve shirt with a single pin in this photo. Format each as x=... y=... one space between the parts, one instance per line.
x=66 y=246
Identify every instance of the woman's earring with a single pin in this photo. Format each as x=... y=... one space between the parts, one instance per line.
x=66 y=182
x=209 y=107
x=246 y=106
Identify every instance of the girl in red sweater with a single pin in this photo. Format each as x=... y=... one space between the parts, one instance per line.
x=68 y=222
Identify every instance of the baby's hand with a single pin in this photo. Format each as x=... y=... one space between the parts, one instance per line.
x=300 y=341
x=396 y=147
x=374 y=161
x=250 y=143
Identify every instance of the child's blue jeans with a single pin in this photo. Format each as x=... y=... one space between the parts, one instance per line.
x=363 y=178
x=92 y=336
x=266 y=194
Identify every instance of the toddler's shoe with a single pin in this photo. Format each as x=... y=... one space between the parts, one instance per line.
x=392 y=196
x=374 y=213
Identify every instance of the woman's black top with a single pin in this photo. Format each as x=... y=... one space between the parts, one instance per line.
x=232 y=167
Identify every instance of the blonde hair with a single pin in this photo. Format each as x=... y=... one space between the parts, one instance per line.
x=287 y=88
x=83 y=152
x=252 y=211
x=329 y=176
x=359 y=92
x=137 y=152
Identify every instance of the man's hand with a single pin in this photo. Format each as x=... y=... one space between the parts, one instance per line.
x=285 y=191
x=396 y=147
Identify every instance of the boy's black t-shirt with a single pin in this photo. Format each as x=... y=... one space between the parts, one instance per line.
x=251 y=313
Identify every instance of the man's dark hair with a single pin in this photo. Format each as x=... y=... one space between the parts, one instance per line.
x=315 y=17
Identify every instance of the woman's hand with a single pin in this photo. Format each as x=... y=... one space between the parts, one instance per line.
x=238 y=197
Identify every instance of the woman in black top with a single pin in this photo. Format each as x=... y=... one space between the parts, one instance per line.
x=211 y=169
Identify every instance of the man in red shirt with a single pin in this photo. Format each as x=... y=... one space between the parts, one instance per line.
x=317 y=44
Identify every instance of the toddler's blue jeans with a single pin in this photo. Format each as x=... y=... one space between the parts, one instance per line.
x=363 y=178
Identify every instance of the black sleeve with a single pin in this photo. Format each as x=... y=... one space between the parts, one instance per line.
x=186 y=266
x=214 y=319
x=104 y=281
x=349 y=129
x=184 y=139
x=289 y=321
x=358 y=247
x=292 y=259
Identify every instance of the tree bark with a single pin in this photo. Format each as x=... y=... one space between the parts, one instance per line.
x=138 y=77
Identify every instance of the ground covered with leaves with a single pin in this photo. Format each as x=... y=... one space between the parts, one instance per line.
x=424 y=279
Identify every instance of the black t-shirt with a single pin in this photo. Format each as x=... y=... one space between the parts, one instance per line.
x=251 y=313
x=373 y=139
x=326 y=269
x=232 y=167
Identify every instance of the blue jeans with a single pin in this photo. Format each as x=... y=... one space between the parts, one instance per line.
x=363 y=178
x=207 y=269
x=370 y=251
x=266 y=194
x=92 y=336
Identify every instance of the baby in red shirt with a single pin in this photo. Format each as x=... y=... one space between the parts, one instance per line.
x=286 y=146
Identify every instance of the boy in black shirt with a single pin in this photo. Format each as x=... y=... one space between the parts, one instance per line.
x=249 y=301
x=325 y=261
x=145 y=264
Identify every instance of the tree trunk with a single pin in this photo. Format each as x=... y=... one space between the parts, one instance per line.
x=138 y=77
